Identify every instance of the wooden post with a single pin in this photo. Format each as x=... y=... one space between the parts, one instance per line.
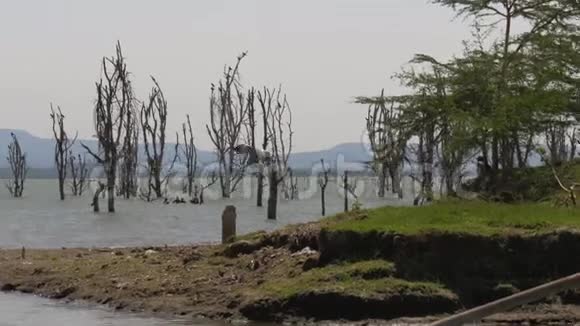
x=508 y=303
x=345 y=191
x=273 y=197
x=228 y=224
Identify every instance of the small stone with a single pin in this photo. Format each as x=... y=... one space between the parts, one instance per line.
x=305 y=252
x=150 y=252
x=254 y=264
x=123 y=285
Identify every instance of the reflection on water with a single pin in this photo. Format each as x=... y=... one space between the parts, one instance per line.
x=28 y=310
x=40 y=220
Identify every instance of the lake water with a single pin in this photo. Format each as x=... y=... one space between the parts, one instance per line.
x=40 y=220
x=27 y=310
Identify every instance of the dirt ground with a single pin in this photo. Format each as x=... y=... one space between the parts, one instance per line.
x=190 y=282
x=276 y=277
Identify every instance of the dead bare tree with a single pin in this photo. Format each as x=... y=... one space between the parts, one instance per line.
x=266 y=101
x=378 y=139
x=189 y=152
x=62 y=147
x=130 y=158
x=291 y=187
x=78 y=172
x=322 y=183
x=388 y=133
x=280 y=135
x=228 y=112
x=114 y=99
x=17 y=161
x=153 y=125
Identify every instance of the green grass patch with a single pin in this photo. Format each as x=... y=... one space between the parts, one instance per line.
x=253 y=236
x=474 y=217
x=365 y=279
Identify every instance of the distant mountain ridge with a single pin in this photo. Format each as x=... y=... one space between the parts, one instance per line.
x=40 y=151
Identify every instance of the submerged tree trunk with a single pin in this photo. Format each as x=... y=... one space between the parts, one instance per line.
x=323 y=202
x=62 y=147
x=114 y=99
x=95 y=204
x=260 y=190
x=111 y=192
x=322 y=183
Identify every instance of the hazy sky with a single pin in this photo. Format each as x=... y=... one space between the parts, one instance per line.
x=323 y=52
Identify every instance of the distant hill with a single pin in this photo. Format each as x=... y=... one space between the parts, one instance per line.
x=40 y=153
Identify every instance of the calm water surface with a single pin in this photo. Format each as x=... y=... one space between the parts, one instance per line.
x=27 y=310
x=40 y=220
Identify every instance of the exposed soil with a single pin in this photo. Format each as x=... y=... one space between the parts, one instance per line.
x=242 y=280
x=476 y=267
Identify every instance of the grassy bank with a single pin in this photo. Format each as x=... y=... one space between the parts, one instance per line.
x=382 y=263
x=473 y=217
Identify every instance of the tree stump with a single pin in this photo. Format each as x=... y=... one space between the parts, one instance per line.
x=228 y=224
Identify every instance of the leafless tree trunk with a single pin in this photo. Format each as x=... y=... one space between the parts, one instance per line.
x=555 y=135
x=292 y=185
x=62 y=147
x=572 y=137
x=251 y=126
x=382 y=182
x=189 y=152
x=17 y=161
x=322 y=183
x=114 y=99
x=153 y=124
x=266 y=100
x=96 y=195
x=228 y=111
x=280 y=135
x=349 y=188
x=130 y=158
x=79 y=173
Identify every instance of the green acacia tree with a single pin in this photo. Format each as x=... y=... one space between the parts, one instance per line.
x=545 y=19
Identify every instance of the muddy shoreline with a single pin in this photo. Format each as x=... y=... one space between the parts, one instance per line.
x=304 y=274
